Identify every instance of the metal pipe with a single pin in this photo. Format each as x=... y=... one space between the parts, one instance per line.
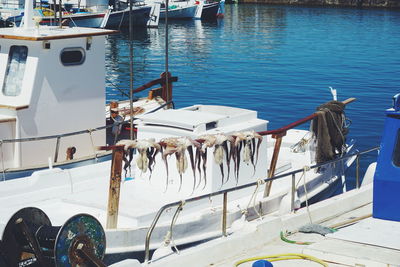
x=150 y=231
x=293 y=192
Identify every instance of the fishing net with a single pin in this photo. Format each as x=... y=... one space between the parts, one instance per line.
x=330 y=130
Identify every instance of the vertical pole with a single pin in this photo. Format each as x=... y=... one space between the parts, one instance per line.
x=55 y=12
x=115 y=186
x=166 y=52
x=224 y=210
x=131 y=68
x=274 y=160
x=60 y=14
x=293 y=192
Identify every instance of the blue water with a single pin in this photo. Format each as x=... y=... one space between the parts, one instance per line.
x=278 y=60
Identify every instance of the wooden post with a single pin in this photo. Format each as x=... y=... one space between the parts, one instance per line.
x=224 y=210
x=167 y=87
x=115 y=185
x=274 y=161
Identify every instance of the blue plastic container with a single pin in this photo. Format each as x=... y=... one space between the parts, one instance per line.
x=262 y=263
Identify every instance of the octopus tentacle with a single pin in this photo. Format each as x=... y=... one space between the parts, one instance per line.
x=227 y=156
x=192 y=164
x=218 y=157
x=198 y=163
x=204 y=158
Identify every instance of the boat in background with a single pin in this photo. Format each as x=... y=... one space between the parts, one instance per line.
x=93 y=14
x=213 y=9
x=185 y=9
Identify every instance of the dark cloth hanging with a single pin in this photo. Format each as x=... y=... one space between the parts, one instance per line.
x=330 y=131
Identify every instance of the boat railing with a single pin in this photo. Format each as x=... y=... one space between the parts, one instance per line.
x=58 y=138
x=225 y=192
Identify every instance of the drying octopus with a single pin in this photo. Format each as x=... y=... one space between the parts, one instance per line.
x=246 y=141
x=179 y=146
x=147 y=151
x=225 y=146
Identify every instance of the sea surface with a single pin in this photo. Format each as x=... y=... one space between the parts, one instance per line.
x=277 y=60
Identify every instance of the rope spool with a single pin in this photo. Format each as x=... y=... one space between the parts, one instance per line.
x=30 y=239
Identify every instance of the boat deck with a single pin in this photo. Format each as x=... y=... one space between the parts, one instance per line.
x=341 y=248
x=360 y=240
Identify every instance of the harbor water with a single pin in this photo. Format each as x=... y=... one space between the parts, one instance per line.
x=278 y=60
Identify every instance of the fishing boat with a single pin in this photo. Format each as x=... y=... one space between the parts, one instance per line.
x=142 y=15
x=213 y=9
x=93 y=14
x=27 y=96
x=356 y=228
x=47 y=117
x=185 y=9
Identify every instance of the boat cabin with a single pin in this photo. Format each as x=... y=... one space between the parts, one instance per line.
x=52 y=81
x=386 y=203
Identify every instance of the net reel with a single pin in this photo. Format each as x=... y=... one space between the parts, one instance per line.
x=29 y=239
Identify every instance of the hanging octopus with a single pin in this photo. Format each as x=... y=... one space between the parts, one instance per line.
x=179 y=146
x=246 y=141
x=147 y=151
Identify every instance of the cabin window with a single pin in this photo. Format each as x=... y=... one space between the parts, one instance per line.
x=15 y=70
x=72 y=56
x=396 y=152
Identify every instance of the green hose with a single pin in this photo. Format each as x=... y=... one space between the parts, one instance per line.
x=283 y=238
x=280 y=257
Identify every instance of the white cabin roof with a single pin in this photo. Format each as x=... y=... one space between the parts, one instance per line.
x=50 y=33
x=194 y=116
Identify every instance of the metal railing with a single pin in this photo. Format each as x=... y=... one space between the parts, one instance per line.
x=237 y=188
x=58 y=137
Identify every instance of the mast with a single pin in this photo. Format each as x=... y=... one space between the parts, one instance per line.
x=131 y=69
x=28 y=15
x=166 y=49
